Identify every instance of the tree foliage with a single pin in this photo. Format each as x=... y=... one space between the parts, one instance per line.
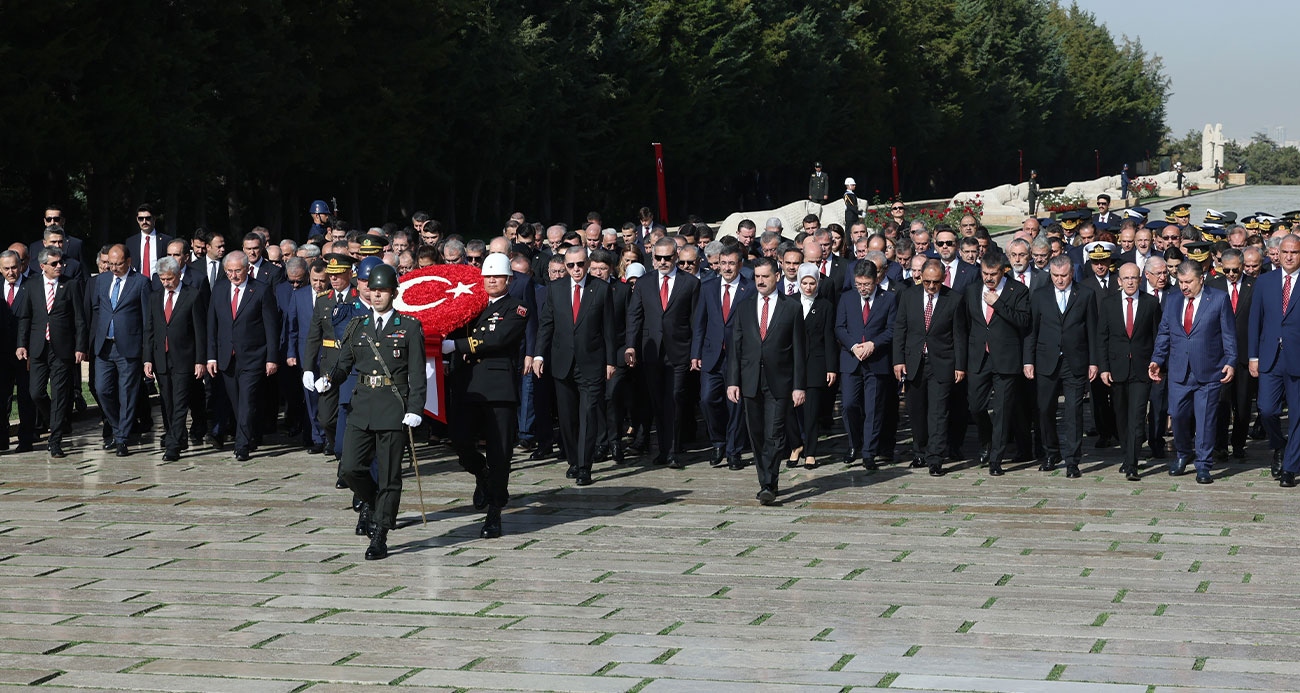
x=1264 y=161
x=230 y=114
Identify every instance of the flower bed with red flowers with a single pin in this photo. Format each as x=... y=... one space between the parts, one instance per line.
x=1144 y=188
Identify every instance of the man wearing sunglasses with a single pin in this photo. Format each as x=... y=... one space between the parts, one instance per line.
x=576 y=330
x=1235 y=397
x=149 y=245
x=659 y=339
x=53 y=338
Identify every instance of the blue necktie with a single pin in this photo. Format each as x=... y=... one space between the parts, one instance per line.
x=112 y=298
x=1060 y=300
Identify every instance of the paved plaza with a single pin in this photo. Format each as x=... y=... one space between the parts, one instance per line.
x=212 y=575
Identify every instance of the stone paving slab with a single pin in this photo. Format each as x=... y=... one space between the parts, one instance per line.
x=215 y=575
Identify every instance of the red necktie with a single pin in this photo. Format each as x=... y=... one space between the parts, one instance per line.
x=49 y=306
x=988 y=309
x=1128 y=317
x=1187 y=316
x=1022 y=279
x=10 y=297
x=762 y=323
x=947 y=277
x=821 y=267
x=167 y=314
x=1286 y=293
x=726 y=302
x=929 y=310
x=1234 y=299
x=145 y=260
x=663 y=294
x=577 y=300
x=234 y=304
x=866 y=311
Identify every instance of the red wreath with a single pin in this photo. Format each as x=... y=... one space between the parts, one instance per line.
x=442 y=298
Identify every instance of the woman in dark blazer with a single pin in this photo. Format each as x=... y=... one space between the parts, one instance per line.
x=821 y=366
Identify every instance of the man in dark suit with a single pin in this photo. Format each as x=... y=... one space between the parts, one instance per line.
x=600 y=266
x=13 y=373
x=56 y=237
x=1024 y=414
x=1060 y=354
x=119 y=309
x=659 y=338
x=1197 y=345
x=714 y=316
x=997 y=311
x=576 y=329
x=1155 y=283
x=864 y=329
x=957 y=275
x=175 y=348
x=243 y=331
x=192 y=276
x=929 y=327
x=1127 y=323
x=1098 y=276
x=52 y=336
x=73 y=248
x=1274 y=340
x=1104 y=215
x=765 y=367
x=145 y=248
x=298 y=313
x=258 y=268
x=1235 y=399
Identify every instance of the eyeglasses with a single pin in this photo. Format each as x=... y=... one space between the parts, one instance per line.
x=572 y=265
x=55 y=263
x=297 y=282
x=687 y=263
x=897 y=208
x=664 y=258
x=53 y=218
x=931 y=282
x=144 y=218
x=1232 y=270
x=474 y=259
x=942 y=244
x=1170 y=238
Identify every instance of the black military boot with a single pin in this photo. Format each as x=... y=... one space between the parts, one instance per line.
x=378 y=549
x=492 y=525
x=364 y=526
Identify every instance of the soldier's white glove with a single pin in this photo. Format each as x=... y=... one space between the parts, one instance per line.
x=412 y=420
x=323 y=384
x=448 y=346
x=308 y=380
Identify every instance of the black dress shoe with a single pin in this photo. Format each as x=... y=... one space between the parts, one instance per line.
x=1178 y=466
x=1072 y=471
x=617 y=453
x=24 y=447
x=340 y=484
x=316 y=448
x=1203 y=476
x=1132 y=474
x=217 y=442
x=571 y=472
x=917 y=463
x=936 y=470
x=541 y=454
x=492 y=524
x=480 y=498
x=1286 y=480
x=602 y=454
x=584 y=480
x=851 y=456
x=196 y=440
x=363 y=520
x=1239 y=452
x=791 y=463
x=869 y=463
x=378 y=549
x=1257 y=431
x=766 y=496
x=172 y=455
x=56 y=450
x=1050 y=464
x=984 y=457
x=995 y=469
x=1276 y=468
x=122 y=451
x=526 y=445
x=674 y=463
x=241 y=455
x=110 y=444
x=734 y=463
x=716 y=459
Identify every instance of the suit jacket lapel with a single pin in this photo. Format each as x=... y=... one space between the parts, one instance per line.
x=245 y=293
x=1290 y=306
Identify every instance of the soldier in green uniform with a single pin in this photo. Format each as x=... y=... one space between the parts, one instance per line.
x=484 y=390
x=818 y=185
x=387 y=349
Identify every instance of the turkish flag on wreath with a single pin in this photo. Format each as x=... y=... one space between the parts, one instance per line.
x=443 y=298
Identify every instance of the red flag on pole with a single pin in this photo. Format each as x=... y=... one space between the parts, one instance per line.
x=663 y=191
x=893 y=157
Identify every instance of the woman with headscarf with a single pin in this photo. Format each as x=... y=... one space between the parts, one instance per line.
x=821 y=361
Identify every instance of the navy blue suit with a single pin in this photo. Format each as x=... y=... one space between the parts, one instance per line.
x=1275 y=342
x=13 y=373
x=298 y=308
x=722 y=417
x=241 y=345
x=117 y=339
x=867 y=387
x=1194 y=363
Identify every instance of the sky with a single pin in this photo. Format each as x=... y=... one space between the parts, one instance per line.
x=1229 y=62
